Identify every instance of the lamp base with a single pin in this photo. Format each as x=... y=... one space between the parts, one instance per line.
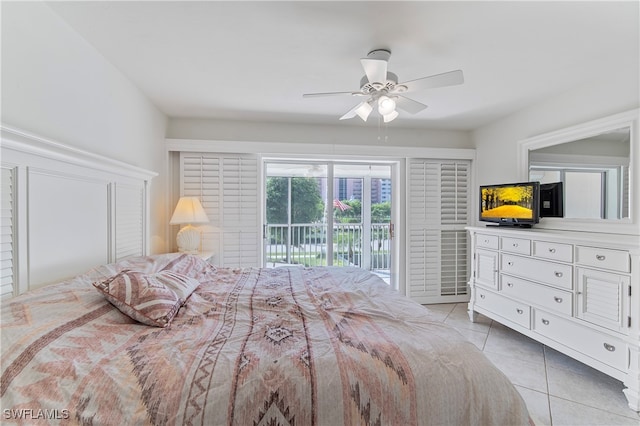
x=188 y=240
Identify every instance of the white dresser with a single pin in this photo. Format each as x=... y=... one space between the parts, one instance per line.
x=577 y=292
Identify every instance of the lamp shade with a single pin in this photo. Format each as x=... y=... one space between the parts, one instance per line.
x=188 y=210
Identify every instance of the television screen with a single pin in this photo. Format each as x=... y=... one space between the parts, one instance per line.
x=514 y=204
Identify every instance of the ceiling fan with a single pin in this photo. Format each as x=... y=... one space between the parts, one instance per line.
x=382 y=89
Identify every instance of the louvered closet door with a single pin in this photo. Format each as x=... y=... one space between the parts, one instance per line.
x=227 y=186
x=438 y=199
x=7 y=233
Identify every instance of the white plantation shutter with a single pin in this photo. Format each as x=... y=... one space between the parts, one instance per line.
x=129 y=220
x=227 y=186
x=7 y=233
x=438 y=211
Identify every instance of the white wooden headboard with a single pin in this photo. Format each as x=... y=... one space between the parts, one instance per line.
x=64 y=211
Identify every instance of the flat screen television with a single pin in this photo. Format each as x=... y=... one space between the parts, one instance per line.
x=510 y=204
x=551 y=200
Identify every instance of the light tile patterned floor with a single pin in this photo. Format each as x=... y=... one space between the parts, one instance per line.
x=558 y=390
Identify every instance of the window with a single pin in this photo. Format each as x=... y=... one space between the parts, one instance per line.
x=312 y=223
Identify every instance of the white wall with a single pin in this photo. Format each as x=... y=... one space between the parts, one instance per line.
x=369 y=134
x=497 y=143
x=56 y=85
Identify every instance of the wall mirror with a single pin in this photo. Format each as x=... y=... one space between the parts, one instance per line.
x=597 y=166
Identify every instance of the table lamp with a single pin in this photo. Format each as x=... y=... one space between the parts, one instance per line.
x=188 y=211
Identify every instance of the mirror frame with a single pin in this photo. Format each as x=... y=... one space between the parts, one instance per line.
x=631 y=119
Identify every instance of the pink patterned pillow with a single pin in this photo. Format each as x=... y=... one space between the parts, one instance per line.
x=142 y=297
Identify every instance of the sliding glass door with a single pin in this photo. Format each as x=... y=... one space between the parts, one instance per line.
x=295 y=227
x=328 y=214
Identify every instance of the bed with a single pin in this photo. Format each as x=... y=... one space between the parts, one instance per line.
x=217 y=346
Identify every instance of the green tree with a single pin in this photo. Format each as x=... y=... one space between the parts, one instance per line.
x=381 y=212
x=351 y=215
x=306 y=203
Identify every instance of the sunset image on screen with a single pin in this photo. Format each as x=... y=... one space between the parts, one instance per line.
x=509 y=201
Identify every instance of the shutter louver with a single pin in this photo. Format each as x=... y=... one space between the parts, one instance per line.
x=201 y=178
x=7 y=234
x=454 y=191
x=454 y=263
x=437 y=216
x=227 y=186
x=129 y=221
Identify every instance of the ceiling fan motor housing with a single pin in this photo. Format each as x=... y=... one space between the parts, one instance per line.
x=379 y=54
x=391 y=85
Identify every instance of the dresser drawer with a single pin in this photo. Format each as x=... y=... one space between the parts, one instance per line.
x=553 y=251
x=516 y=245
x=511 y=310
x=556 y=274
x=557 y=300
x=615 y=260
x=487 y=241
x=607 y=349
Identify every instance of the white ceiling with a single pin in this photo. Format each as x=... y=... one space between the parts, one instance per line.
x=254 y=60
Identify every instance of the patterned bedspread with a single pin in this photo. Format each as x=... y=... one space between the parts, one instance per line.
x=284 y=346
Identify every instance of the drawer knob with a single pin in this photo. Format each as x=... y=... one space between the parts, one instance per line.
x=482 y=296
x=545 y=321
x=557 y=299
x=510 y=263
x=609 y=347
x=600 y=256
x=558 y=274
x=509 y=284
x=520 y=311
x=515 y=244
x=552 y=250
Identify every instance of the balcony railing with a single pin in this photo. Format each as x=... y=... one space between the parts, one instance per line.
x=306 y=244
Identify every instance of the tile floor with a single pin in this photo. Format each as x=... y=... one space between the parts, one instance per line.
x=558 y=390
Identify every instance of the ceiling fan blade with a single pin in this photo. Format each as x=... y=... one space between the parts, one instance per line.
x=450 y=78
x=375 y=69
x=317 y=95
x=409 y=105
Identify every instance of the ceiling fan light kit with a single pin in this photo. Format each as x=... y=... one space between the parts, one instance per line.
x=383 y=89
x=386 y=105
x=390 y=117
x=363 y=110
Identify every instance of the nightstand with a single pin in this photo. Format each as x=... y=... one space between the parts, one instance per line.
x=205 y=255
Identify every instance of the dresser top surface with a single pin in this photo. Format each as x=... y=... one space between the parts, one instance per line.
x=627 y=242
